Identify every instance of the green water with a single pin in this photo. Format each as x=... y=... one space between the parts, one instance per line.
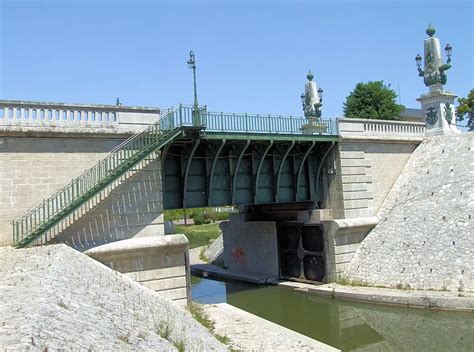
x=346 y=325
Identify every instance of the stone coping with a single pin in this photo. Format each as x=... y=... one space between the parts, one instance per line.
x=355 y=222
x=139 y=244
x=77 y=131
x=438 y=300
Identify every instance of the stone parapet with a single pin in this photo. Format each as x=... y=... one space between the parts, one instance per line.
x=29 y=118
x=381 y=130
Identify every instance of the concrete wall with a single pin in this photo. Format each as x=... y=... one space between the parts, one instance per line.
x=160 y=263
x=250 y=245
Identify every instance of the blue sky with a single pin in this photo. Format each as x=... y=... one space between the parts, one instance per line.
x=252 y=56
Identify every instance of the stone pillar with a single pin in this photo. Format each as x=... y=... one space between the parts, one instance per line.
x=438 y=108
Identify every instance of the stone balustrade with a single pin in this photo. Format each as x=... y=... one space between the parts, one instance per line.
x=37 y=116
x=381 y=129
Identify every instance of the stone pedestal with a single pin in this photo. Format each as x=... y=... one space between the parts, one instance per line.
x=438 y=108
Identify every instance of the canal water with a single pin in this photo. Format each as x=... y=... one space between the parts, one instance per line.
x=345 y=325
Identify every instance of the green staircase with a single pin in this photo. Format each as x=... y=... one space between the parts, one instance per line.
x=37 y=222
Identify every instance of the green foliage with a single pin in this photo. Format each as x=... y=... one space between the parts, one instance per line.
x=198 y=313
x=199 y=235
x=201 y=219
x=209 y=214
x=373 y=100
x=465 y=110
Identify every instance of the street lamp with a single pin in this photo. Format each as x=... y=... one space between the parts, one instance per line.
x=448 y=49
x=192 y=65
x=320 y=94
x=418 y=60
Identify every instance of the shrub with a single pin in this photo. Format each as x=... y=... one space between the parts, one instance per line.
x=200 y=219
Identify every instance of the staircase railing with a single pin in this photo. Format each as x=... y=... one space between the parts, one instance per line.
x=53 y=210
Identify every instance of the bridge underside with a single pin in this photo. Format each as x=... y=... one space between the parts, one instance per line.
x=202 y=170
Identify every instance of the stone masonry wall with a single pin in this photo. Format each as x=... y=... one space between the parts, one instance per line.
x=32 y=169
x=133 y=209
x=365 y=173
x=424 y=239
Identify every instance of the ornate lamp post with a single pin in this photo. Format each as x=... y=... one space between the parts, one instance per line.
x=192 y=65
x=437 y=104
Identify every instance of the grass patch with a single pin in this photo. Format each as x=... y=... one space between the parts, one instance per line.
x=199 y=235
x=198 y=313
x=180 y=345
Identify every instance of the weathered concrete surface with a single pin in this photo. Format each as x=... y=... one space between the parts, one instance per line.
x=54 y=297
x=425 y=237
x=250 y=245
x=249 y=332
x=160 y=263
x=409 y=298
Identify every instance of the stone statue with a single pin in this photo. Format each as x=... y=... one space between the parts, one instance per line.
x=312 y=98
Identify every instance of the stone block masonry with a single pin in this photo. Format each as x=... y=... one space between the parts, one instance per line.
x=31 y=169
x=133 y=209
x=160 y=263
x=425 y=237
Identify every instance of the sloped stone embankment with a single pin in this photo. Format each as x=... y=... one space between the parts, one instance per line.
x=54 y=297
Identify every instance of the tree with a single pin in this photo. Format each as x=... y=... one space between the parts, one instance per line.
x=373 y=100
x=465 y=110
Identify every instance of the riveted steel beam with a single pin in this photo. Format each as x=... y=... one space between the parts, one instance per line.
x=186 y=171
x=211 y=172
x=236 y=170
x=300 y=168
x=259 y=168
x=280 y=168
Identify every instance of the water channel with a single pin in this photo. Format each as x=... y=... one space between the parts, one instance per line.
x=348 y=326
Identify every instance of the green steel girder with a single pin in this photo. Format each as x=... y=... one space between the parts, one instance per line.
x=280 y=168
x=186 y=171
x=268 y=137
x=259 y=168
x=300 y=168
x=211 y=172
x=236 y=170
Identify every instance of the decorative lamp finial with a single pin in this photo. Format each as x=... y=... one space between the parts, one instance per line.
x=430 y=30
x=309 y=76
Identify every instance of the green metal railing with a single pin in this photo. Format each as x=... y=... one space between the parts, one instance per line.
x=38 y=221
x=252 y=123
